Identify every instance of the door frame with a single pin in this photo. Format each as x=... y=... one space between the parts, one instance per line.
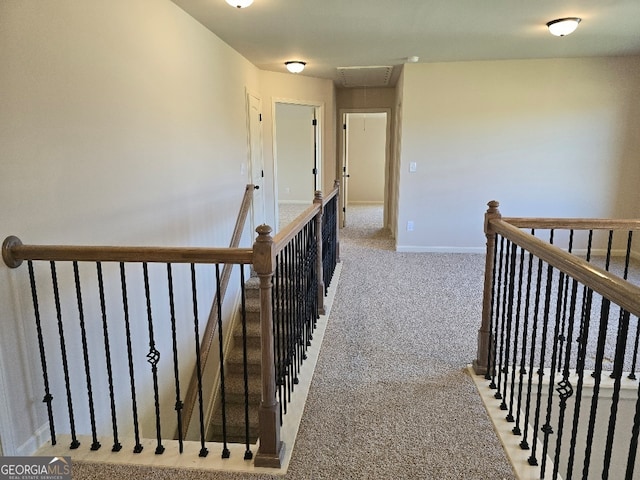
x=319 y=115
x=388 y=171
x=250 y=157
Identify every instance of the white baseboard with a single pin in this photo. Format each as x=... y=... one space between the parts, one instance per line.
x=424 y=249
x=34 y=442
x=357 y=202
x=295 y=202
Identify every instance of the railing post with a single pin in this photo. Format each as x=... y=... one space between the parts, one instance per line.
x=319 y=237
x=480 y=364
x=271 y=450
x=336 y=184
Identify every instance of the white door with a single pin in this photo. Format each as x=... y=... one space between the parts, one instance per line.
x=256 y=161
x=344 y=187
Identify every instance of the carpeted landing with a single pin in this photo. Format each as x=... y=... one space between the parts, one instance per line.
x=390 y=397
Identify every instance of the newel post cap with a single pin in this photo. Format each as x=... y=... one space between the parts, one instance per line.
x=264 y=252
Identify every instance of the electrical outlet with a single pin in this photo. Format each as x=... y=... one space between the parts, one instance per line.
x=413 y=167
x=410 y=226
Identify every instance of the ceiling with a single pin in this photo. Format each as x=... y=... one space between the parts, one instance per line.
x=328 y=34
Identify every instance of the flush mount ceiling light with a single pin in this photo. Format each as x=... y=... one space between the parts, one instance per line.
x=563 y=26
x=239 y=3
x=295 y=66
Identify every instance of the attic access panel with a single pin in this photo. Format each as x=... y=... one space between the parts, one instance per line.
x=365 y=76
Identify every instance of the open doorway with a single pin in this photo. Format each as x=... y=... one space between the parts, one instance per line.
x=296 y=152
x=364 y=164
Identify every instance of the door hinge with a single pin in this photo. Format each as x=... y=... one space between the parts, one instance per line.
x=344 y=169
x=259 y=117
x=262 y=173
x=344 y=209
x=344 y=126
x=314 y=122
x=314 y=171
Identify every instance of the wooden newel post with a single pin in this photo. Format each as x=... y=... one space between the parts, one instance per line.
x=271 y=450
x=319 y=270
x=481 y=363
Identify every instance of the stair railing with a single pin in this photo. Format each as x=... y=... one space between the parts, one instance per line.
x=70 y=337
x=560 y=313
x=210 y=330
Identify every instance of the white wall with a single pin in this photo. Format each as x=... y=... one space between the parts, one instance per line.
x=367 y=145
x=121 y=122
x=544 y=137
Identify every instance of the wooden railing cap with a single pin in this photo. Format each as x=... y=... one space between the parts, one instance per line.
x=7 y=255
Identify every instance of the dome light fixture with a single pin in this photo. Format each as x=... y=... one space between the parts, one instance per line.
x=563 y=26
x=295 y=66
x=239 y=3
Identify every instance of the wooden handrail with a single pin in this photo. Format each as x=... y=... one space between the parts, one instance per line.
x=283 y=237
x=597 y=279
x=574 y=223
x=14 y=253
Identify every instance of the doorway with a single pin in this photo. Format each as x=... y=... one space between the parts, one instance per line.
x=365 y=143
x=297 y=153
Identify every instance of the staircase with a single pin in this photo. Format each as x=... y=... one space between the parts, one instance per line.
x=234 y=376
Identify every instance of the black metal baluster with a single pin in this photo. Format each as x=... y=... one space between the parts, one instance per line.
x=153 y=357
x=545 y=325
x=633 y=444
x=176 y=371
x=278 y=296
x=547 y=428
x=516 y=334
x=225 y=450
x=248 y=455
x=564 y=389
x=602 y=337
x=107 y=349
x=48 y=398
x=564 y=308
x=525 y=332
x=499 y=360
x=492 y=339
x=580 y=364
x=498 y=283
x=583 y=339
x=65 y=364
x=504 y=361
x=125 y=304
x=95 y=445
x=618 y=366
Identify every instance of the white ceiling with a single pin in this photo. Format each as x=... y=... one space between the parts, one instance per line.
x=328 y=34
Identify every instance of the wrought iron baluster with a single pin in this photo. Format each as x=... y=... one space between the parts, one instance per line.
x=134 y=403
x=48 y=398
x=225 y=450
x=153 y=357
x=545 y=325
x=491 y=347
x=618 y=366
x=565 y=389
x=176 y=371
x=278 y=295
x=524 y=444
x=547 y=428
x=107 y=349
x=95 y=445
x=495 y=363
x=564 y=308
x=510 y=417
x=633 y=444
x=502 y=367
x=525 y=332
x=65 y=364
x=248 y=455
x=602 y=337
x=580 y=364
